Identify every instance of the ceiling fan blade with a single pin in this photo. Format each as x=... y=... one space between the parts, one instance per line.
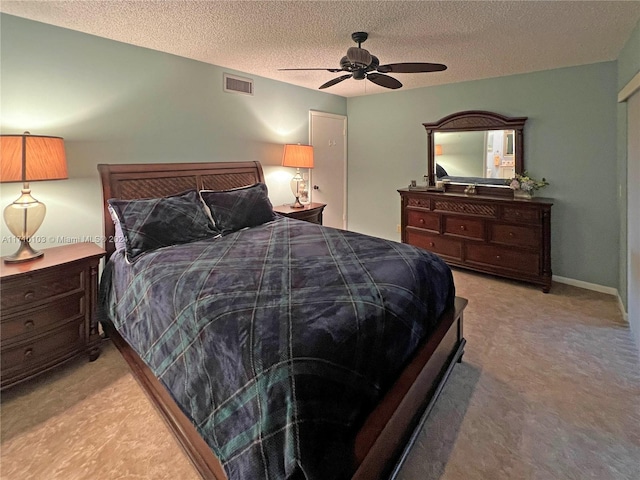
x=330 y=83
x=384 y=80
x=334 y=70
x=411 y=67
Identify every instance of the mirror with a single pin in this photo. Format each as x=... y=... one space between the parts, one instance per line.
x=475 y=147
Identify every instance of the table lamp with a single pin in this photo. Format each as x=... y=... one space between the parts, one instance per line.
x=299 y=156
x=29 y=158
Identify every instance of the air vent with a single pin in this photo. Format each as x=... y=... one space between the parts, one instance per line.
x=236 y=84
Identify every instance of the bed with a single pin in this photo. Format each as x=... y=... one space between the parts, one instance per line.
x=371 y=435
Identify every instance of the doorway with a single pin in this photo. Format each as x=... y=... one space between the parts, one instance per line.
x=328 y=135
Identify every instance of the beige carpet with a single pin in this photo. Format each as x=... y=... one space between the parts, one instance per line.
x=549 y=388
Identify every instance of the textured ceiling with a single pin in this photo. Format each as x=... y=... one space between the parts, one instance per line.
x=475 y=39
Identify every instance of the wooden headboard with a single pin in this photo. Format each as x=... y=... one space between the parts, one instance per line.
x=152 y=180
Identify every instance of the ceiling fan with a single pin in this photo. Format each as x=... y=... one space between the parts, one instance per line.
x=361 y=64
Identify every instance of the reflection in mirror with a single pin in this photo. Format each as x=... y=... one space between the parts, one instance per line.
x=472 y=154
x=475 y=147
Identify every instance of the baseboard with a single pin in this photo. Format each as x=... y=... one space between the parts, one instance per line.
x=586 y=285
x=596 y=288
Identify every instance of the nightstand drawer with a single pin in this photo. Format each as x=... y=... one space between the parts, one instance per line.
x=41 y=319
x=311 y=216
x=30 y=289
x=31 y=355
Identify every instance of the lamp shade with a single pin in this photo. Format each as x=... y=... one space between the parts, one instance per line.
x=438 y=149
x=299 y=156
x=29 y=158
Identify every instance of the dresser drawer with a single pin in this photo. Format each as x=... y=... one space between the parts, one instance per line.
x=446 y=247
x=464 y=227
x=31 y=355
x=470 y=208
x=29 y=290
x=19 y=327
x=516 y=235
x=521 y=214
x=507 y=258
x=426 y=220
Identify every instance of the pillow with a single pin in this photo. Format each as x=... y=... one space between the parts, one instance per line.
x=440 y=172
x=239 y=208
x=118 y=238
x=151 y=223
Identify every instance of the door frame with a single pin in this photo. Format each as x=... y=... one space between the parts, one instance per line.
x=632 y=315
x=317 y=113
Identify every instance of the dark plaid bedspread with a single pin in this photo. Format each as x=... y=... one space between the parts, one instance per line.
x=277 y=341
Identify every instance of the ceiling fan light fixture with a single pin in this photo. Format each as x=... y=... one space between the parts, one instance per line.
x=359 y=56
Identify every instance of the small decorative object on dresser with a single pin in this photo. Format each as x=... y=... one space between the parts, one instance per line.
x=524 y=186
x=310 y=213
x=48 y=311
x=497 y=235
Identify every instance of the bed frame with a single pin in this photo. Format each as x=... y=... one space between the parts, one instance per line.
x=389 y=432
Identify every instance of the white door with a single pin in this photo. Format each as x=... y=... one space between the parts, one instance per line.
x=328 y=135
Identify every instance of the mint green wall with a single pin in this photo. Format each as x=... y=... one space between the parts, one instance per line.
x=570 y=138
x=117 y=103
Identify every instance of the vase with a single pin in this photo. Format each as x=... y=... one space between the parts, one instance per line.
x=522 y=194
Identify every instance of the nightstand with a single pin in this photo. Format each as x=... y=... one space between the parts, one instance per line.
x=310 y=213
x=48 y=311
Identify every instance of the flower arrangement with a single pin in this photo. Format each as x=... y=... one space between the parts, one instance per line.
x=525 y=183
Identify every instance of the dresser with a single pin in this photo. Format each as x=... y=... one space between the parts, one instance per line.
x=48 y=311
x=497 y=235
x=311 y=212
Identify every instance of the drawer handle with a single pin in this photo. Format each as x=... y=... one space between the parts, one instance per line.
x=497 y=257
x=511 y=234
x=431 y=244
x=28 y=325
x=28 y=353
x=29 y=295
x=421 y=221
x=462 y=227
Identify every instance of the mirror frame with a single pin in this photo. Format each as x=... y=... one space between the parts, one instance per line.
x=469 y=121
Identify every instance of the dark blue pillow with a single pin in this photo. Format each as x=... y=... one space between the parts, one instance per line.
x=243 y=207
x=152 y=223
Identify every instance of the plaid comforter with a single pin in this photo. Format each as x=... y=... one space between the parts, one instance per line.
x=278 y=340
